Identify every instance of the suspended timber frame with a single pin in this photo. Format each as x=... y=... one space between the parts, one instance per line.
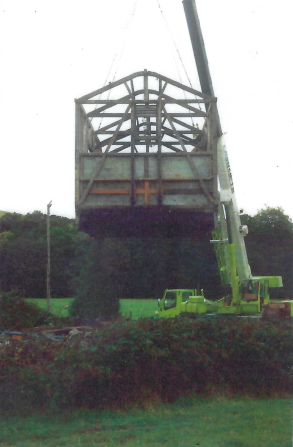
x=153 y=147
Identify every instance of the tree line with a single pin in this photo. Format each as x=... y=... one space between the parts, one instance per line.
x=132 y=267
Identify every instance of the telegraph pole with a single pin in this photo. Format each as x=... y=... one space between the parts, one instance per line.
x=48 y=255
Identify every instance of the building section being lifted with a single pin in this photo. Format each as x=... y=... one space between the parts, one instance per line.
x=146 y=161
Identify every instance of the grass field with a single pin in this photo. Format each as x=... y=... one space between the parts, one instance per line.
x=214 y=422
x=56 y=305
x=138 y=308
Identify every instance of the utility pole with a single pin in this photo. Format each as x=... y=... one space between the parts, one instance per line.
x=48 y=256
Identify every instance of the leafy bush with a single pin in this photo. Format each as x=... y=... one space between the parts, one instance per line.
x=131 y=361
x=100 y=279
x=16 y=314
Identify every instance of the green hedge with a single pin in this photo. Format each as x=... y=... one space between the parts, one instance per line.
x=131 y=361
x=16 y=314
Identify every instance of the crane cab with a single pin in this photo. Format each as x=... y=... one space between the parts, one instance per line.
x=186 y=302
x=171 y=303
x=254 y=294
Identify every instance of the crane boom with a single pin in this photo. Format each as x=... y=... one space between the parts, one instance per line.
x=198 y=46
x=250 y=294
x=227 y=195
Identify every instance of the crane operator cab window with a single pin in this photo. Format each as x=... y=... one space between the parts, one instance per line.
x=170 y=300
x=185 y=296
x=250 y=290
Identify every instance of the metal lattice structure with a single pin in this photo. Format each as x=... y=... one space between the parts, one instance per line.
x=147 y=158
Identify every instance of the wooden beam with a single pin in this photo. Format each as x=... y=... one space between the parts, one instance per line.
x=101 y=164
x=146 y=86
x=119 y=136
x=170 y=146
x=108 y=87
x=109 y=191
x=146 y=191
x=132 y=163
x=184 y=137
x=115 y=123
x=96 y=114
x=192 y=128
x=142 y=142
x=120 y=148
x=159 y=138
x=177 y=84
x=89 y=122
x=124 y=132
x=132 y=89
x=137 y=74
x=189 y=158
x=185 y=105
x=213 y=113
x=113 y=102
x=108 y=106
x=128 y=89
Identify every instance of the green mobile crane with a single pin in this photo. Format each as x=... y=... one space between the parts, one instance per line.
x=249 y=295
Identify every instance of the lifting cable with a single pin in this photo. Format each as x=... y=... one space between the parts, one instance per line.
x=174 y=43
x=178 y=53
x=124 y=43
x=118 y=55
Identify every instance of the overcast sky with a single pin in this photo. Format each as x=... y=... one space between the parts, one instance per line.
x=53 y=51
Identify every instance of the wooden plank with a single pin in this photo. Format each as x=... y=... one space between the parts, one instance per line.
x=78 y=150
x=128 y=89
x=181 y=86
x=132 y=166
x=192 y=165
x=112 y=102
x=109 y=86
x=115 y=123
x=110 y=132
x=107 y=140
x=101 y=164
x=184 y=137
x=195 y=130
x=120 y=148
x=111 y=180
x=184 y=105
x=170 y=146
x=133 y=90
x=110 y=191
x=214 y=131
x=143 y=141
x=145 y=85
x=146 y=191
x=89 y=123
x=108 y=106
x=166 y=180
x=150 y=154
x=96 y=114
x=159 y=139
x=142 y=73
x=186 y=191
